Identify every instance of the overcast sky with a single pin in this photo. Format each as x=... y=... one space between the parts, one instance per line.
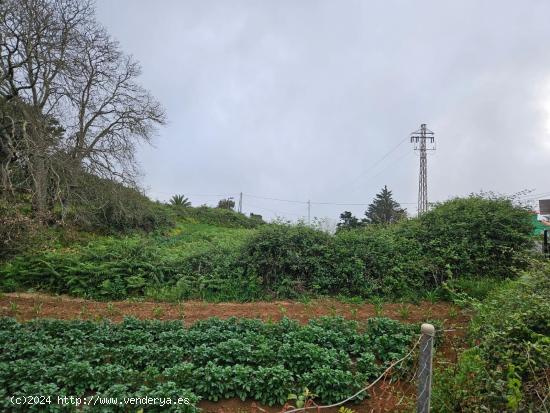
x=315 y=100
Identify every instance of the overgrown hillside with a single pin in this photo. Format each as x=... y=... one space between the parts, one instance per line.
x=507 y=365
x=217 y=254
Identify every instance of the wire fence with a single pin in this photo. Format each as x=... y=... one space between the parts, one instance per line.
x=422 y=375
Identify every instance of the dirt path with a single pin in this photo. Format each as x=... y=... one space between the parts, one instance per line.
x=26 y=306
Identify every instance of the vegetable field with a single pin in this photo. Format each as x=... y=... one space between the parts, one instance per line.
x=210 y=360
x=222 y=310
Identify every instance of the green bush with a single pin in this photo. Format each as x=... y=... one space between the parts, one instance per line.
x=475 y=236
x=187 y=263
x=18 y=231
x=102 y=204
x=215 y=216
x=218 y=254
x=110 y=268
x=476 y=288
x=379 y=261
x=290 y=260
x=507 y=369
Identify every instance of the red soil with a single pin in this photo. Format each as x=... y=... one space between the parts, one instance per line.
x=384 y=397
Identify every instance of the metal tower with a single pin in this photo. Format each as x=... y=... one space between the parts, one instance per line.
x=424 y=140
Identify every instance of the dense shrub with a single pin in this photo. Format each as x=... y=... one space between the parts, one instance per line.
x=212 y=359
x=475 y=236
x=290 y=259
x=186 y=263
x=240 y=259
x=215 y=216
x=106 y=205
x=508 y=366
x=377 y=260
x=18 y=231
x=110 y=268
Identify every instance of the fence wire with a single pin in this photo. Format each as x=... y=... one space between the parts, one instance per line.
x=385 y=373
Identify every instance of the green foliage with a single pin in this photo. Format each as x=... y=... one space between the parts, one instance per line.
x=476 y=237
x=378 y=261
x=180 y=200
x=213 y=359
x=218 y=254
x=384 y=209
x=348 y=221
x=302 y=398
x=475 y=288
x=217 y=217
x=508 y=368
x=193 y=261
x=464 y=386
x=228 y=203
x=106 y=205
x=343 y=409
x=290 y=260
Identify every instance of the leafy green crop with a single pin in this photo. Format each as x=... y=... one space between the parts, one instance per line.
x=213 y=359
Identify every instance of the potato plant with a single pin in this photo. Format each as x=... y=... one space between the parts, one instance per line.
x=212 y=359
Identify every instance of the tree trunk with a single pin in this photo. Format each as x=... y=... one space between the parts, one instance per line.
x=39 y=175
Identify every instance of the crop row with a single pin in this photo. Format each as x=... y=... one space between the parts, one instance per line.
x=212 y=359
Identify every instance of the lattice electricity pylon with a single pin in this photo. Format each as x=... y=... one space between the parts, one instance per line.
x=424 y=140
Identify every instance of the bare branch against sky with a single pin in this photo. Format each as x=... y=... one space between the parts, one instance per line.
x=298 y=99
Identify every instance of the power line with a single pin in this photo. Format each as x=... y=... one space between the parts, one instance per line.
x=335 y=203
x=317 y=202
x=534 y=196
x=275 y=212
x=354 y=203
x=276 y=199
x=354 y=181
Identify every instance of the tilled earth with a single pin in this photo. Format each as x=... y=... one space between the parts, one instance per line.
x=384 y=397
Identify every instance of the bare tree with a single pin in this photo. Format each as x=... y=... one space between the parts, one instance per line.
x=35 y=38
x=110 y=111
x=79 y=104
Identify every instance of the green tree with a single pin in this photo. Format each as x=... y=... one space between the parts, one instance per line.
x=348 y=221
x=226 y=203
x=384 y=209
x=180 y=200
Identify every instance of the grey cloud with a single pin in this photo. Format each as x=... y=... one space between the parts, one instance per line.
x=297 y=99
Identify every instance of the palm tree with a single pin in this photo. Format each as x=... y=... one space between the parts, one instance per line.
x=180 y=200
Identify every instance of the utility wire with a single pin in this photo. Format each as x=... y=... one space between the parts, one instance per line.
x=294 y=201
x=275 y=199
x=353 y=182
x=320 y=203
x=277 y=213
x=404 y=155
x=534 y=196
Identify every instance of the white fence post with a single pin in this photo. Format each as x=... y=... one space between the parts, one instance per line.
x=424 y=390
